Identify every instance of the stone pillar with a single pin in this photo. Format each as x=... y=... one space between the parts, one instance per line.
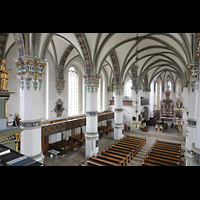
x=185 y=103
x=30 y=74
x=197 y=139
x=118 y=110
x=91 y=136
x=192 y=83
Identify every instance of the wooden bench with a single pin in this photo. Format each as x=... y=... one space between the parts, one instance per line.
x=135 y=148
x=132 y=142
x=118 y=154
x=162 y=159
x=130 y=139
x=134 y=138
x=124 y=160
x=167 y=151
x=92 y=163
x=163 y=154
x=104 y=162
x=146 y=163
x=114 y=160
x=125 y=155
x=177 y=159
x=169 y=143
x=123 y=150
x=161 y=163
x=168 y=147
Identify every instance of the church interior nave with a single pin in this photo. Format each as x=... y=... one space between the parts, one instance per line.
x=65 y=97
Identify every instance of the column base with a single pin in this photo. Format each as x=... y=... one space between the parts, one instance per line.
x=91 y=144
x=118 y=131
x=31 y=143
x=39 y=157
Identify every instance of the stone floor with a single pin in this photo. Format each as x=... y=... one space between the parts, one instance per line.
x=77 y=156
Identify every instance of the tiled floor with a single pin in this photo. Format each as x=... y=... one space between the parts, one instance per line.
x=77 y=156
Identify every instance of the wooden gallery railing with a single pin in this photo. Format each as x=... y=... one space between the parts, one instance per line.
x=60 y=125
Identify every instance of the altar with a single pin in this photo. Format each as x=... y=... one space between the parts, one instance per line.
x=167 y=106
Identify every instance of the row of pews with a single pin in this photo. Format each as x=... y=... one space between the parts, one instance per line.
x=103 y=129
x=118 y=154
x=68 y=145
x=163 y=154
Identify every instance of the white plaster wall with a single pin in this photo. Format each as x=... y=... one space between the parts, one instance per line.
x=53 y=94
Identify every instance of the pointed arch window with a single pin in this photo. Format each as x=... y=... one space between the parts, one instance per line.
x=128 y=86
x=72 y=92
x=168 y=85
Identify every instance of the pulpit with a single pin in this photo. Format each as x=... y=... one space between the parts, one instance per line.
x=9 y=135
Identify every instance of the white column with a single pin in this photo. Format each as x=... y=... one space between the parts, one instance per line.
x=118 y=110
x=197 y=139
x=185 y=103
x=91 y=136
x=30 y=73
x=192 y=109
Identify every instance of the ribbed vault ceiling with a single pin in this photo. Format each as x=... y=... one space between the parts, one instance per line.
x=158 y=53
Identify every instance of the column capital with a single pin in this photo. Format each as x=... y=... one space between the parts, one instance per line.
x=110 y=89
x=91 y=82
x=30 y=70
x=118 y=88
x=193 y=71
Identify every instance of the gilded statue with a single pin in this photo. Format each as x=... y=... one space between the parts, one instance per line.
x=3 y=76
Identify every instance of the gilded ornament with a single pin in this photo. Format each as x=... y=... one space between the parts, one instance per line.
x=3 y=76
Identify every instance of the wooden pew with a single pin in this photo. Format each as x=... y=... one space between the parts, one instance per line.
x=104 y=162
x=123 y=150
x=141 y=143
x=169 y=143
x=134 y=138
x=131 y=139
x=93 y=163
x=168 y=147
x=162 y=159
x=161 y=163
x=114 y=160
x=118 y=153
x=135 y=148
x=177 y=159
x=163 y=154
x=146 y=163
x=124 y=160
x=167 y=151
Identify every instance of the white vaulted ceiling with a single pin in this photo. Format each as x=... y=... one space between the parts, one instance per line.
x=157 y=52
